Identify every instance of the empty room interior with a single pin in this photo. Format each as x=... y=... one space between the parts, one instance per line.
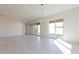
x=39 y=29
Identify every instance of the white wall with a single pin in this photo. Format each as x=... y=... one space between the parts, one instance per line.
x=27 y=28
x=10 y=27
x=44 y=28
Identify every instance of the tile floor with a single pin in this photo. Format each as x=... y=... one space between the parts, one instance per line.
x=29 y=44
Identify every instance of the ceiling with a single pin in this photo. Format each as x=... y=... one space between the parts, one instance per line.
x=27 y=12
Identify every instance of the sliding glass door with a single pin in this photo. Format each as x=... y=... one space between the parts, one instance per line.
x=59 y=28
x=52 y=29
x=56 y=28
x=35 y=29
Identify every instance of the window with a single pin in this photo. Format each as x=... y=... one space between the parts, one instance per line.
x=35 y=29
x=56 y=28
x=52 y=28
x=59 y=28
x=38 y=29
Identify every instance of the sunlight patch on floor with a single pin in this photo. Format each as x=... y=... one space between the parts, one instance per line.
x=63 y=46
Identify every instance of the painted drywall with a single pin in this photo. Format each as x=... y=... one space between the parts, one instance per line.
x=27 y=29
x=10 y=27
x=44 y=28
